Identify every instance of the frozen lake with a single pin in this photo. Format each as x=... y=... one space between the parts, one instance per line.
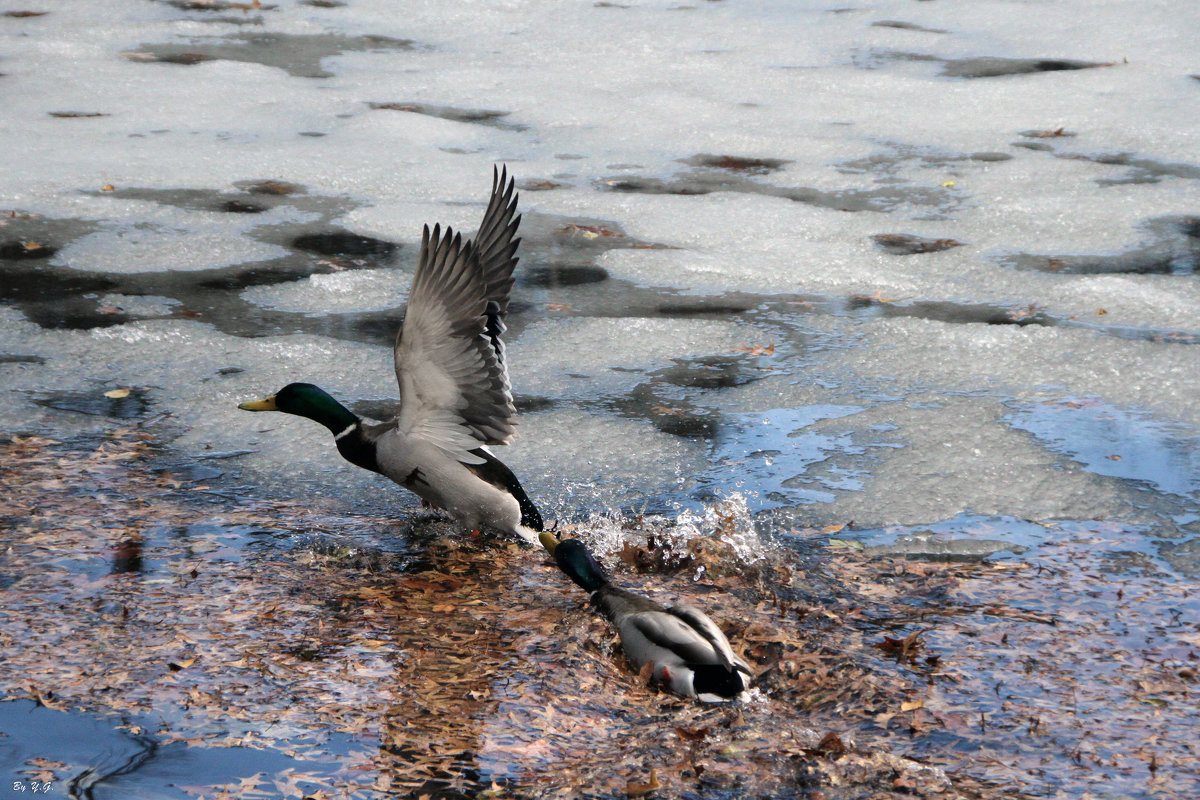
x=719 y=289
x=907 y=267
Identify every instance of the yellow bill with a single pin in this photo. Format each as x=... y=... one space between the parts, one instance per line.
x=548 y=541
x=259 y=405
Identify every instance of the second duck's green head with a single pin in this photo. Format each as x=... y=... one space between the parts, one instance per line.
x=578 y=564
x=306 y=400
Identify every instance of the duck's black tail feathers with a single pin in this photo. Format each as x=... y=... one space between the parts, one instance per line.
x=495 y=472
x=717 y=680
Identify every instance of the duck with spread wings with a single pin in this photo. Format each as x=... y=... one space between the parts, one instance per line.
x=455 y=396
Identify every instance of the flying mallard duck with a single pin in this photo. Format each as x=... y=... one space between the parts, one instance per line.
x=686 y=648
x=455 y=398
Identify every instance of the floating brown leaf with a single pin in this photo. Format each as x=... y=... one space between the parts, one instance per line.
x=903 y=650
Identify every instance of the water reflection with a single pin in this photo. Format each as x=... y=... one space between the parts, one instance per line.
x=767 y=455
x=127 y=556
x=114 y=758
x=1120 y=443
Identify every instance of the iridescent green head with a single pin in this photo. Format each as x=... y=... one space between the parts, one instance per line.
x=575 y=560
x=306 y=400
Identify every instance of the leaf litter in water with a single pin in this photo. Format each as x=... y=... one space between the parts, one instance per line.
x=477 y=668
x=1063 y=676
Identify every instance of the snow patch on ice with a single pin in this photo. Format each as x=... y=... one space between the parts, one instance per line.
x=336 y=293
x=145 y=247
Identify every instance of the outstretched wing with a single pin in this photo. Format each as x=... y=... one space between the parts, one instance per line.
x=496 y=246
x=496 y=242
x=453 y=385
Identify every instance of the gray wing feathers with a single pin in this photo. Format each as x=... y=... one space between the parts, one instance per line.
x=496 y=242
x=704 y=627
x=496 y=246
x=667 y=632
x=453 y=386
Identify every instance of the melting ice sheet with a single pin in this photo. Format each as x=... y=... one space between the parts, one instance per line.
x=947 y=218
x=768 y=453
x=1117 y=443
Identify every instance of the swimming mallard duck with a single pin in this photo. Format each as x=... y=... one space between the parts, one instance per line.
x=686 y=648
x=455 y=398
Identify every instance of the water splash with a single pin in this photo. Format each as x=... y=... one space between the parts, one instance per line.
x=728 y=520
x=604 y=532
x=724 y=528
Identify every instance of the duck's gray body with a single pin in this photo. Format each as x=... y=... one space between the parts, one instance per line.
x=477 y=495
x=455 y=397
x=688 y=651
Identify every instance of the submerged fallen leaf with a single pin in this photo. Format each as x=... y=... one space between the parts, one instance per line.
x=831 y=746
x=692 y=735
x=539 y=185
x=758 y=350
x=117 y=394
x=1021 y=313
x=590 y=231
x=641 y=789
x=274 y=187
x=872 y=298
x=1052 y=133
x=907 y=244
x=667 y=410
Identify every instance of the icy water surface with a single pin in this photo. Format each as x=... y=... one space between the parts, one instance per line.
x=915 y=278
x=116 y=758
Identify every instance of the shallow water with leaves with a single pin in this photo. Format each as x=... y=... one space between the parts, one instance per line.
x=210 y=648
